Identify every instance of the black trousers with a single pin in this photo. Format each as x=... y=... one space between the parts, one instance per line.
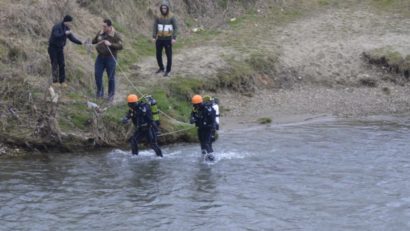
x=160 y=45
x=57 y=63
x=205 y=139
x=150 y=135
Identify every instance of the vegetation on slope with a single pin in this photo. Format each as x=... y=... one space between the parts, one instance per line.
x=29 y=118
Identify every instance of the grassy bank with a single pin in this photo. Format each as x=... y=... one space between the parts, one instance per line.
x=244 y=32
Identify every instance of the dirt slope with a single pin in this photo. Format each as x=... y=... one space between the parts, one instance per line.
x=321 y=56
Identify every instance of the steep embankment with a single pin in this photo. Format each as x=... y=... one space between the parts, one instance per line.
x=35 y=118
x=262 y=59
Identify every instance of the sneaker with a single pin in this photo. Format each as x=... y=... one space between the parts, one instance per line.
x=166 y=74
x=55 y=85
x=159 y=71
x=64 y=85
x=110 y=98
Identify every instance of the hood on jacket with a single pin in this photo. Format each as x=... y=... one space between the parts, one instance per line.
x=167 y=5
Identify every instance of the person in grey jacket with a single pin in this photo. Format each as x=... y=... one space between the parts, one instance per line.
x=59 y=34
x=164 y=35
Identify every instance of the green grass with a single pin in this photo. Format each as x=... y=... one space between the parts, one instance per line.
x=406 y=63
x=198 y=38
x=74 y=116
x=74 y=96
x=135 y=50
x=184 y=88
x=237 y=78
x=385 y=3
x=174 y=98
x=3 y=50
x=116 y=112
x=119 y=27
x=399 y=6
x=262 y=63
x=16 y=54
x=245 y=19
x=392 y=57
x=265 y=120
x=324 y=2
x=189 y=22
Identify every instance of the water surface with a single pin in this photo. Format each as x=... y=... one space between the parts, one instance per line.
x=326 y=174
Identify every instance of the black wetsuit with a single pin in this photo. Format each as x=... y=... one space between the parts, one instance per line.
x=204 y=118
x=141 y=115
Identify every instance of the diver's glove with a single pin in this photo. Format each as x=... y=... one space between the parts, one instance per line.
x=124 y=120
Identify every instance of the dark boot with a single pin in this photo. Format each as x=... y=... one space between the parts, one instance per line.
x=209 y=157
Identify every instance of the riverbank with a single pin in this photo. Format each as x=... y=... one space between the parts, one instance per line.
x=275 y=61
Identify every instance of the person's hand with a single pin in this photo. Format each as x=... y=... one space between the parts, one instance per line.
x=173 y=41
x=107 y=43
x=153 y=40
x=67 y=32
x=124 y=120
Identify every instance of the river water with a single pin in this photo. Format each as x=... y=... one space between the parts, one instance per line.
x=321 y=174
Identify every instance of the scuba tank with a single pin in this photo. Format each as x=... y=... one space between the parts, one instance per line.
x=154 y=108
x=214 y=103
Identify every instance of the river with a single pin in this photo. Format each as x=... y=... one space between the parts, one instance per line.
x=321 y=174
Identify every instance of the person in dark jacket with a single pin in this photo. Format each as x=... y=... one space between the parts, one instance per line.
x=108 y=43
x=141 y=116
x=164 y=35
x=203 y=116
x=59 y=34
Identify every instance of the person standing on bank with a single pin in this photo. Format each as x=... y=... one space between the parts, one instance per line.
x=58 y=38
x=108 y=44
x=164 y=35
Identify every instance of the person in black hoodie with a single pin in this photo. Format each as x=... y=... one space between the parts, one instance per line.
x=59 y=34
x=164 y=35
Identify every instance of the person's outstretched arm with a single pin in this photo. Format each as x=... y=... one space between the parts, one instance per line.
x=73 y=39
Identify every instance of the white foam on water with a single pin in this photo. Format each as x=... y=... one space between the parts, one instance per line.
x=118 y=154
x=219 y=156
x=229 y=155
x=148 y=155
x=172 y=154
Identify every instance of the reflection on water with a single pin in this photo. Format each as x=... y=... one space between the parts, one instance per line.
x=315 y=175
